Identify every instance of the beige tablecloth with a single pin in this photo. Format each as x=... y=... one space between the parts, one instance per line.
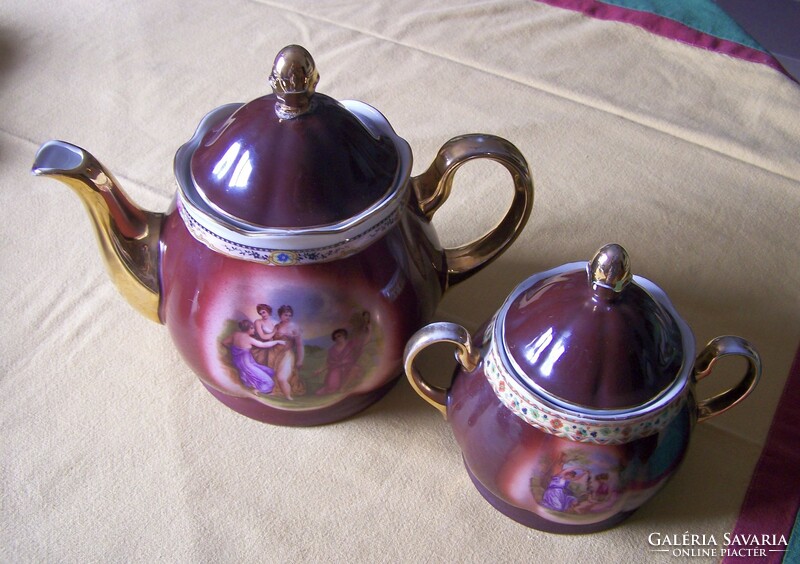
x=113 y=451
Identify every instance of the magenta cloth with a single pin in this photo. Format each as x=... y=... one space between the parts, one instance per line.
x=772 y=500
x=667 y=27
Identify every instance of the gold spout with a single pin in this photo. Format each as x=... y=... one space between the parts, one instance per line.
x=127 y=235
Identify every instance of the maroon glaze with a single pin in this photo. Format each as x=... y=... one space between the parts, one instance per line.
x=548 y=426
x=298 y=256
x=348 y=407
x=512 y=463
x=397 y=281
x=590 y=348
x=318 y=168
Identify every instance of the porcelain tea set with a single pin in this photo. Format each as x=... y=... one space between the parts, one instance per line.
x=298 y=272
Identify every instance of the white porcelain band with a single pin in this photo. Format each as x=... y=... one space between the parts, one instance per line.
x=293 y=251
x=618 y=429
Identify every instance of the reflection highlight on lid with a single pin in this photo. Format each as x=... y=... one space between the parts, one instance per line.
x=537 y=346
x=553 y=355
x=544 y=343
x=242 y=169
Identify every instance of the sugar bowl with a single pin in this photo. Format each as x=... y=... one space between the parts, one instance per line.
x=575 y=403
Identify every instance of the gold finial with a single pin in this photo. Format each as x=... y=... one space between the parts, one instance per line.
x=293 y=79
x=610 y=268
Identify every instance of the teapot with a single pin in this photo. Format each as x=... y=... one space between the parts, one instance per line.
x=575 y=403
x=298 y=255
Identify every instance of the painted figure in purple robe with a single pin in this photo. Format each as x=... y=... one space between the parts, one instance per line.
x=558 y=495
x=252 y=374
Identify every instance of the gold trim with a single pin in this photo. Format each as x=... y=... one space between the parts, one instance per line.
x=439 y=332
x=127 y=235
x=433 y=187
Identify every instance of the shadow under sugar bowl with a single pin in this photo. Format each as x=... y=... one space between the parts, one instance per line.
x=575 y=404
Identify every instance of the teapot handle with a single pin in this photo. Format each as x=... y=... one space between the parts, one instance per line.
x=433 y=187
x=439 y=332
x=716 y=348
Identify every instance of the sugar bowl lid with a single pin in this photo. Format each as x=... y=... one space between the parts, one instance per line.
x=294 y=158
x=592 y=336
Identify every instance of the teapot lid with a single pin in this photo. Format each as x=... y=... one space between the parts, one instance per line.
x=293 y=158
x=592 y=337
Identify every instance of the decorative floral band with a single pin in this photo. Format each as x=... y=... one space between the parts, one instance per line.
x=575 y=427
x=283 y=257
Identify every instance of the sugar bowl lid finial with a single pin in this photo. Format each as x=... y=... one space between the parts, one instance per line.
x=610 y=268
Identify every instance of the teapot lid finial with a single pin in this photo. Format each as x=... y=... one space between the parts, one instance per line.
x=610 y=268
x=297 y=159
x=293 y=79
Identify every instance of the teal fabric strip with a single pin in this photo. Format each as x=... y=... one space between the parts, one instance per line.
x=792 y=555
x=702 y=15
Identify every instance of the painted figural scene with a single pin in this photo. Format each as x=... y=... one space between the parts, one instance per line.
x=578 y=482
x=277 y=360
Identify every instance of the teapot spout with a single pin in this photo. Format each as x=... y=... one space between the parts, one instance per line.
x=128 y=236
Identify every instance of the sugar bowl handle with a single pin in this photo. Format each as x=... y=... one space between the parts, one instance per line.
x=433 y=187
x=717 y=348
x=440 y=332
